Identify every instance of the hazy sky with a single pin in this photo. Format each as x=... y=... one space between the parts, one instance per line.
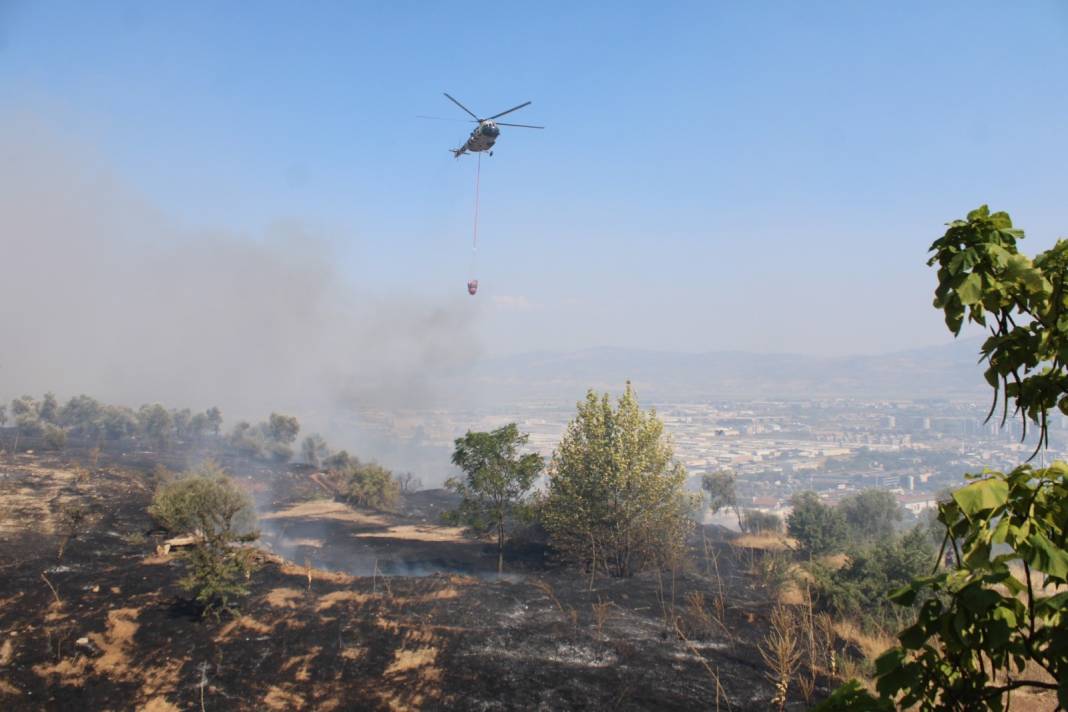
x=742 y=175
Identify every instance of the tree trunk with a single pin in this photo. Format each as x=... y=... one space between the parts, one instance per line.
x=500 y=546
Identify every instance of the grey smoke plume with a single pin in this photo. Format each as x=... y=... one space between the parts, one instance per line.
x=102 y=293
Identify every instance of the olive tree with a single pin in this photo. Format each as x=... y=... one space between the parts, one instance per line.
x=208 y=505
x=49 y=409
x=314 y=450
x=720 y=490
x=26 y=412
x=215 y=420
x=497 y=479
x=615 y=500
x=156 y=424
x=283 y=428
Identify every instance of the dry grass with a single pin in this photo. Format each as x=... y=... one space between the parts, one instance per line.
x=332 y=599
x=115 y=643
x=417 y=532
x=327 y=509
x=600 y=612
x=247 y=623
x=766 y=541
x=871 y=645
x=7 y=689
x=282 y=701
x=288 y=567
x=35 y=508
x=283 y=598
x=7 y=653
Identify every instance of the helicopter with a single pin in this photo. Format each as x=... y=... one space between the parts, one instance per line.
x=485 y=134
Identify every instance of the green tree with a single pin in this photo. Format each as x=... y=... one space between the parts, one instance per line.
x=49 y=409
x=755 y=521
x=182 y=418
x=314 y=450
x=215 y=420
x=283 y=428
x=26 y=413
x=871 y=515
x=615 y=501
x=198 y=426
x=497 y=479
x=118 y=422
x=207 y=504
x=818 y=528
x=82 y=415
x=55 y=437
x=720 y=489
x=3 y=415
x=1000 y=610
x=156 y=425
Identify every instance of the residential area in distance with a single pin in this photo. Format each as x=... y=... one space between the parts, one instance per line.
x=914 y=449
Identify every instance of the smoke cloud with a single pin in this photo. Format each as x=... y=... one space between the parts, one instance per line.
x=103 y=293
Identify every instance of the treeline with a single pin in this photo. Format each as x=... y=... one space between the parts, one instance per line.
x=46 y=423
x=96 y=423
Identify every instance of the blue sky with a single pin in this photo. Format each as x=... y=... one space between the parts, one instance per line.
x=744 y=175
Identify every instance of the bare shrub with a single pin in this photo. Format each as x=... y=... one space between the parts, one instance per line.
x=71 y=520
x=774 y=571
x=781 y=652
x=600 y=612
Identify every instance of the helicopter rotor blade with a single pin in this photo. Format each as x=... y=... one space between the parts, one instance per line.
x=445 y=118
x=522 y=126
x=471 y=113
x=514 y=108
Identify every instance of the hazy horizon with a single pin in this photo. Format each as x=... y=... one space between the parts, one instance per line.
x=246 y=210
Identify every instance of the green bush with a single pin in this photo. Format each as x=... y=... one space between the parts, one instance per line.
x=755 y=521
x=364 y=484
x=859 y=588
x=818 y=528
x=206 y=504
x=55 y=437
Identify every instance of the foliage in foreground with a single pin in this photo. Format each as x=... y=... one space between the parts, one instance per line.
x=1000 y=611
x=984 y=618
x=208 y=505
x=615 y=501
x=497 y=479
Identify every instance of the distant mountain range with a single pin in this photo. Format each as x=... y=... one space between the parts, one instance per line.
x=939 y=372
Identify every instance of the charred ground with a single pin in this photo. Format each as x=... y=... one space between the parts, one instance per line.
x=116 y=632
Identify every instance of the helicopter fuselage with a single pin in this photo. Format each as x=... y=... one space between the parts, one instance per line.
x=481 y=139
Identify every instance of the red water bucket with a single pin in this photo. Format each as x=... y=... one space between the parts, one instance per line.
x=472 y=287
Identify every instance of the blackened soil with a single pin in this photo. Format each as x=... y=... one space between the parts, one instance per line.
x=115 y=633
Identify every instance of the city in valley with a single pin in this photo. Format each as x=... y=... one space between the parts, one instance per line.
x=916 y=450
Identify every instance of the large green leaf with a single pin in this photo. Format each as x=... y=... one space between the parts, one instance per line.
x=971 y=289
x=981 y=496
x=1047 y=557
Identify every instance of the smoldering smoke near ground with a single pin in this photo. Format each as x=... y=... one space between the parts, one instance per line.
x=102 y=293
